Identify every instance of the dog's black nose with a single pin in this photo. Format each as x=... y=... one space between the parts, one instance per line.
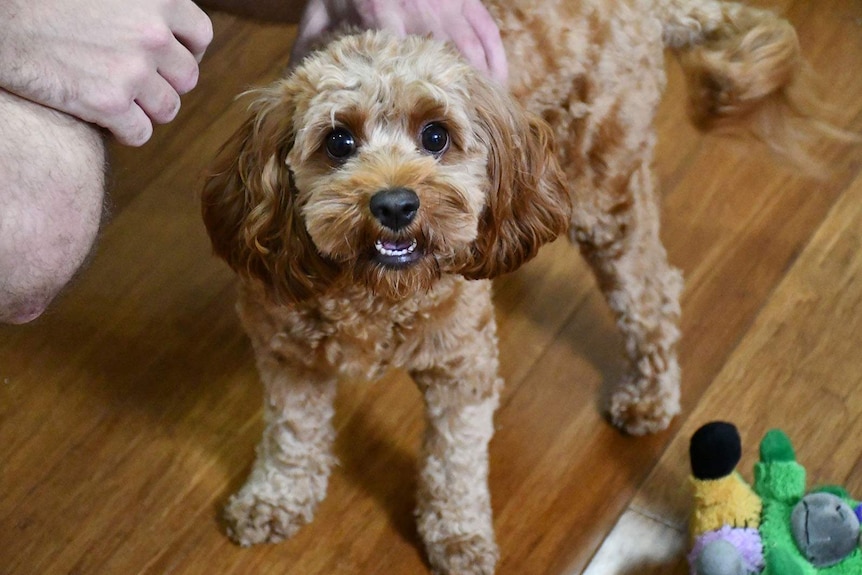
x=395 y=208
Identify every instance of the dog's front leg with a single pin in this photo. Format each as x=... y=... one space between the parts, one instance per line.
x=454 y=503
x=294 y=457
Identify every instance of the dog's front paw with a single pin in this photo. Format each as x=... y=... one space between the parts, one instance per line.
x=473 y=555
x=643 y=405
x=270 y=511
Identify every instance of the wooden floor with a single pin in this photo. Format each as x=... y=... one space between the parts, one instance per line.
x=130 y=412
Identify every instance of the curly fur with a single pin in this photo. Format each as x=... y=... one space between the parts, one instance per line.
x=568 y=148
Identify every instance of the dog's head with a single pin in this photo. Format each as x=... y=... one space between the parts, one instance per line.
x=385 y=161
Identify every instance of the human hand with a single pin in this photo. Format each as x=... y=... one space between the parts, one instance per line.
x=466 y=23
x=119 y=64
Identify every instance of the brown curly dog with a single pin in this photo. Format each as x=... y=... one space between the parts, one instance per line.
x=374 y=191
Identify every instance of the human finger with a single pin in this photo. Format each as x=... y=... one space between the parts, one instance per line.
x=192 y=27
x=390 y=20
x=158 y=99
x=179 y=67
x=118 y=114
x=134 y=128
x=315 y=21
x=488 y=32
x=461 y=33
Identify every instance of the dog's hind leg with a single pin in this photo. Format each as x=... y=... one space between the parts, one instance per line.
x=294 y=457
x=630 y=263
x=605 y=137
x=461 y=390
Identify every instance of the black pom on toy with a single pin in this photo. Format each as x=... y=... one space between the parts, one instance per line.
x=715 y=450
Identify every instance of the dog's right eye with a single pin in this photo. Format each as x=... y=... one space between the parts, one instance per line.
x=340 y=144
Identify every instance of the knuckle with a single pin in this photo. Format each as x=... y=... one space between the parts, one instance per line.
x=111 y=101
x=156 y=36
x=187 y=79
x=140 y=134
x=136 y=72
x=168 y=109
x=133 y=128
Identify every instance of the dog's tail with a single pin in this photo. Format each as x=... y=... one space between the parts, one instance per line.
x=745 y=72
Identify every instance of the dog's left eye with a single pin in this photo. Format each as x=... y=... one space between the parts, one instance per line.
x=435 y=138
x=340 y=144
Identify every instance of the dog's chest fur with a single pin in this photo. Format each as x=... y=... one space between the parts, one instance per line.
x=352 y=334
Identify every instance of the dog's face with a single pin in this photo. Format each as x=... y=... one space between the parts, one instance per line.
x=387 y=162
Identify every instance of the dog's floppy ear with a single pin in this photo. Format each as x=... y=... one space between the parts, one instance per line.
x=249 y=205
x=528 y=204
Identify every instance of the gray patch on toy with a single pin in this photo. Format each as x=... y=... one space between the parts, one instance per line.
x=825 y=528
x=720 y=558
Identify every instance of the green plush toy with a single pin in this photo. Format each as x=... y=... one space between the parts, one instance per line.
x=774 y=528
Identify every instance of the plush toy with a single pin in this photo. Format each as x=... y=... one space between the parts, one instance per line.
x=775 y=527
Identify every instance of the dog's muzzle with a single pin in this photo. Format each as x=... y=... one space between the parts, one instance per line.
x=395 y=209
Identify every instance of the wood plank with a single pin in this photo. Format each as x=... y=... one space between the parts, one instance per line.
x=797 y=369
x=735 y=223
x=130 y=412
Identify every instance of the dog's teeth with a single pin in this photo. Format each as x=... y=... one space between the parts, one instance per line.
x=378 y=245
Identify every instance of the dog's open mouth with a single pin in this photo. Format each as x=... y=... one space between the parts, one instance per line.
x=397 y=253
